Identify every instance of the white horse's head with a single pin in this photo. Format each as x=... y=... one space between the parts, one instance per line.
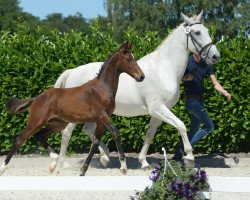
x=198 y=39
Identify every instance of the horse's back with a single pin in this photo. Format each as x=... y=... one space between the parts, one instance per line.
x=83 y=74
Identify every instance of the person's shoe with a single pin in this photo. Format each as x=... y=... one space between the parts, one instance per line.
x=177 y=158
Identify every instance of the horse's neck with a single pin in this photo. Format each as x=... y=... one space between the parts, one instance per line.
x=110 y=77
x=173 y=53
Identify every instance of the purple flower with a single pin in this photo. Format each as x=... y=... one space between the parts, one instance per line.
x=132 y=198
x=176 y=185
x=155 y=177
x=158 y=166
x=187 y=186
x=194 y=188
x=154 y=171
x=189 y=195
x=203 y=175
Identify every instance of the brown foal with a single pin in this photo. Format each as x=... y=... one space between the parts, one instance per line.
x=93 y=101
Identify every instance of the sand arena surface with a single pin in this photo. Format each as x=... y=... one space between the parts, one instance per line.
x=35 y=165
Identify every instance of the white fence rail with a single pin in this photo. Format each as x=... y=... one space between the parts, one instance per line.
x=108 y=183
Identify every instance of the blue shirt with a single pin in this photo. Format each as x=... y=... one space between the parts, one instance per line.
x=200 y=71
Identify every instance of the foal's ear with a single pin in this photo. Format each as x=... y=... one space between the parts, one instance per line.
x=126 y=47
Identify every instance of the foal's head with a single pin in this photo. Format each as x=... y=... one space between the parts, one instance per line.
x=128 y=64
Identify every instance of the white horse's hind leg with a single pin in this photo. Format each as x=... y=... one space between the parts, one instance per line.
x=153 y=124
x=89 y=128
x=66 y=135
x=162 y=112
x=2 y=168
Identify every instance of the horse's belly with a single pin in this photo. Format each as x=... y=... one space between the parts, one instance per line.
x=130 y=110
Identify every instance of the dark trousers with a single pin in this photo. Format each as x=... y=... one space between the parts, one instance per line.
x=198 y=115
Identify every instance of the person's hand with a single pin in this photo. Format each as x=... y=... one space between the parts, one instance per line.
x=187 y=77
x=227 y=95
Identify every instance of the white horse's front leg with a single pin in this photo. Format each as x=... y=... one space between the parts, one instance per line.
x=89 y=128
x=160 y=111
x=153 y=124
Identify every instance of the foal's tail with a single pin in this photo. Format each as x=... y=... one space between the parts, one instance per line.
x=60 y=83
x=15 y=105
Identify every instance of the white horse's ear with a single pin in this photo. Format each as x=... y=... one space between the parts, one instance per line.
x=186 y=18
x=200 y=15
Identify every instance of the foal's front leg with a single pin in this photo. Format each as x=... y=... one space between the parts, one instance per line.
x=105 y=120
x=116 y=134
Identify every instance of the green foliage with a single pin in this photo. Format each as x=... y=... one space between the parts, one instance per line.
x=31 y=62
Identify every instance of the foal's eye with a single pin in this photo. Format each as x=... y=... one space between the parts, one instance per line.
x=130 y=61
x=197 y=33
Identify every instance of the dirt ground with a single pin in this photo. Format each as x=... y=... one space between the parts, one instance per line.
x=34 y=165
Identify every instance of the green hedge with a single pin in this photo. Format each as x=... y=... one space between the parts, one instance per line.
x=31 y=62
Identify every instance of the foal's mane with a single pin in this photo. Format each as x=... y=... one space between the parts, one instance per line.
x=106 y=63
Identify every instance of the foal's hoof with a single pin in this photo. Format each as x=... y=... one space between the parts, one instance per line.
x=82 y=174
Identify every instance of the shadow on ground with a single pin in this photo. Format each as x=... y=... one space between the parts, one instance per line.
x=210 y=161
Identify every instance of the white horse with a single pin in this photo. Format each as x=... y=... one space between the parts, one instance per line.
x=158 y=93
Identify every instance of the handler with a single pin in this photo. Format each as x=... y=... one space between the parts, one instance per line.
x=193 y=79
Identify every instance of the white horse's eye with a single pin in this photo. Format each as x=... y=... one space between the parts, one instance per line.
x=197 y=33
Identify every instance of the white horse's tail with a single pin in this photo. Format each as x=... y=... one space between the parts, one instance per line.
x=60 y=82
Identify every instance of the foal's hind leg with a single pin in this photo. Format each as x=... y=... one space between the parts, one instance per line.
x=95 y=143
x=28 y=131
x=53 y=126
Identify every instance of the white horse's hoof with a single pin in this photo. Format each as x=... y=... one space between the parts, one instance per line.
x=189 y=157
x=104 y=159
x=65 y=165
x=189 y=161
x=53 y=155
x=145 y=166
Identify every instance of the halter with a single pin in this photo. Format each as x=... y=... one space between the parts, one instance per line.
x=195 y=42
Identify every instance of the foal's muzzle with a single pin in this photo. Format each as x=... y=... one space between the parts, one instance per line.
x=140 y=79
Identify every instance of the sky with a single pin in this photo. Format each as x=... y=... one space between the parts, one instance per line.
x=41 y=8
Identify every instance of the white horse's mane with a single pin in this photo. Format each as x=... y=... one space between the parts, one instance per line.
x=193 y=18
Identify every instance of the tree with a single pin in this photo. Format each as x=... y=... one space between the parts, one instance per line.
x=9 y=13
x=76 y=22
x=65 y=24
x=159 y=15
x=141 y=15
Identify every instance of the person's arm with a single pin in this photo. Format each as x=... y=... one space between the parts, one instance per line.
x=219 y=88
